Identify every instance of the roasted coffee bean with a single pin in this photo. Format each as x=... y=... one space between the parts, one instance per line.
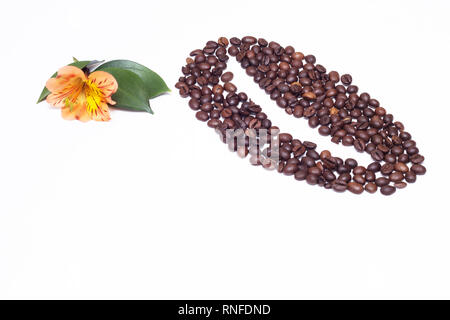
x=228 y=86
x=410 y=177
x=360 y=146
x=346 y=79
x=382 y=181
x=355 y=187
x=400 y=185
x=202 y=116
x=227 y=77
x=418 y=169
x=359 y=178
x=339 y=186
x=304 y=89
x=417 y=159
x=387 y=168
x=377 y=155
x=371 y=187
x=387 y=190
x=312 y=179
x=374 y=167
x=359 y=170
x=396 y=176
x=290 y=169
x=285 y=137
x=301 y=174
x=400 y=166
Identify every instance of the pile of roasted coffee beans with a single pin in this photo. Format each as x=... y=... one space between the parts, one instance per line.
x=302 y=88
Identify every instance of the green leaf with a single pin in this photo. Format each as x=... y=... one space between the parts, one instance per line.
x=132 y=93
x=154 y=84
x=45 y=92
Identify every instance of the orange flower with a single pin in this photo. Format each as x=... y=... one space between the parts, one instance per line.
x=82 y=97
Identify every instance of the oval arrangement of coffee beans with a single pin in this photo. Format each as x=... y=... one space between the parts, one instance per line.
x=302 y=88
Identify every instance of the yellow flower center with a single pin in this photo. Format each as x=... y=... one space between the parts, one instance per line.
x=93 y=96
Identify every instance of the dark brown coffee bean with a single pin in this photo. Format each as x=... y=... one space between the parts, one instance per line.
x=377 y=155
x=418 y=169
x=410 y=177
x=213 y=123
x=346 y=79
x=400 y=185
x=285 y=137
x=309 y=145
x=371 y=187
x=381 y=181
x=202 y=116
x=301 y=174
x=359 y=179
x=359 y=170
x=374 y=166
x=400 y=166
x=249 y=40
x=290 y=169
x=417 y=159
x=360 y=146
x=355 y=187
x=333 y=76
x=312 y=179
x=387 y=190
x=339 y=186
x=387 y=168
x=227 y=77
x=396 y=176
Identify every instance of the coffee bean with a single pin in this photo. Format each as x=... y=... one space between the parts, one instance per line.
x=371 y=187
x=339 y=186
x=418 y=169
x=387 y=190
x=359 y=178
x=301 y=174
x=374 y=166
x=213 y=123
x=309 y=95
x=359 y=170
x=334 y=76
x=400 y=185
x=228 y=86
x=290 y=169
x=227 y=77
x=312 y=179
x=387 y=168
x=285 y=137
x=355 y=187
x=410 y=177
x=346 y=79
x=329 y=175
x=381 y=181
x=223 y=42
x=202 y=116
x=377 y=155
x=417 y=159
x=396 y=176
x=400 y=166
x=249 y=40
x=324 y=130
x=359 y=145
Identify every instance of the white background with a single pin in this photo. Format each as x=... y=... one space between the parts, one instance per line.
x=154 y=206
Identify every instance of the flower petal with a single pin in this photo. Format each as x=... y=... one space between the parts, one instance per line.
x=105 y=82
x=67 y=84
x=75 y=111
x=102 y=113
